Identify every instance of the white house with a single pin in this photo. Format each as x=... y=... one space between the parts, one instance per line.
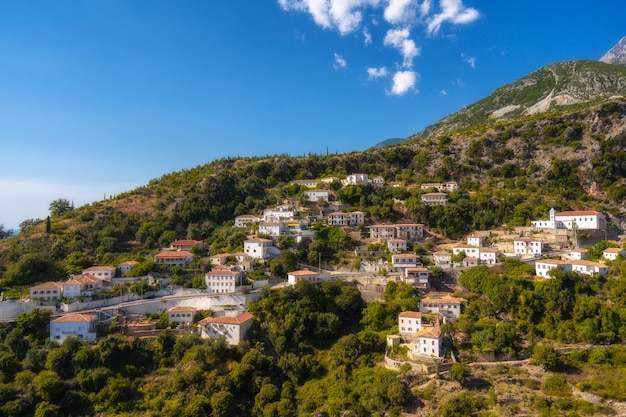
x=222 y=281
x=430 y=341
x=272 y=228
x=470 y=251
x=181 y=314
x=310 y=183
x=542 y=267
x=577 y=254
x=340 y=218
x=527 y=246
x=611 y=254
x=417 y=276
x=315 y=195
x=447 y=306
x=294 y=277
x=246 y=220
x=102 y=272
x=219 y=258
x=81 y=285
x=409 y=231
x=469 y=261
x=124 y=267
x=401 y=261
x=356 y=179
x=489 y=256
x=259 y=248
x=409 y=323
x=78 y=325
x=181 y=258
x=476 y=240
x=582 y=220
x=441 y=187
x=435 y=199
x=47 y=291
x=382 y=231
x=279 y=213
x=442 y=259
x=187 y=244
x=233 y=328
x=589 y=268
x=396 y=245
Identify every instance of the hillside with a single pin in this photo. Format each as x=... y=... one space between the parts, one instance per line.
x=556 y=87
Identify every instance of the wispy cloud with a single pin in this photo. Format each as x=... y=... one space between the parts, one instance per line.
x=452 y=11
x=399 y=11
x=339 y=62
x=399 y=39
x=343 y=15
x=470 y=60
x=367 y=36
x=403 y=82
x=376 y=72
x=443 y=92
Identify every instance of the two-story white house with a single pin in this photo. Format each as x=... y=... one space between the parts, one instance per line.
x=280 y=213
x=82 y=285
x=401 y=261
x=476 y=239
x=430 y=342
x=409 y=231
x=580 y=220
x=233 y=328
x=442 y=259
x=181 y=314
x=577 y=254
x=543 y=266
x=181 y=258
x=315 y=195
x=382 y=231
x=409 y=323
x=340 y=218
x=246 y=220
x=102 y=272
x=82 y=326
x=187 y=244
x=417 y=276
x=527 y=246
x=447 y=306
x=272 y=228
x=222 y=280
x=260 y=248
x=396 y=245
x=488 y=256
x=435 y=199
x=47 y=291
x=470 y=251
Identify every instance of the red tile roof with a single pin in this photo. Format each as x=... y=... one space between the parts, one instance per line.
x=50 y=285
x=240 y=319
x=75 y=318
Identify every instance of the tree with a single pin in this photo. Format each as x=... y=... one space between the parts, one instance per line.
x=60 y=206
x=3 y=232
x=548 y=357
x=460 y=372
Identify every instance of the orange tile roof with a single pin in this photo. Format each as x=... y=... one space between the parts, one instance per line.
x=302 y=272
x=181 y=308
x=578 y=213
x=240 y=319
x=48 y=285
x=448 y=299
x=186 y=242
x=174 y=254
x=434 y=332
x=99 y=268
x=411 y=314
x=258 y=240
x=129 y=263
x=75 y=318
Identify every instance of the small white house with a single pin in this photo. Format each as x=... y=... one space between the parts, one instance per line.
x=259 y=248
x=542 y=267
x=581 y=220
x=442 y=259
x=233 y=328
x=589 y=268
x=246 y=220
x=309 y=183
x=409 y=323
x=489 y=256
x=181 y=258
x=81 y=285
x=476 y=240
x=470 y=251
x=124 y=267
x=294 y=277
x=315 y=195
x=272 y=228
x=417 y=276
x=611 y=254
x=78 y=325
x=435 y=199
x=447 y=306
x=382 y=231
x=356 y=179
x=181 y=314
x=527 y=246
x=47 y=291
x=101 y=272
x=410 y=231
x=577 y=254
x=430 y=341
x=187 y=244
x=396 y=245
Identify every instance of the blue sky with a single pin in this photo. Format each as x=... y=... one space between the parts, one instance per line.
x=99 y=97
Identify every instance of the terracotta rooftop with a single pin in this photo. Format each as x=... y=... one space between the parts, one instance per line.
x=411 y=314
x=242 y=318
x=75 y=318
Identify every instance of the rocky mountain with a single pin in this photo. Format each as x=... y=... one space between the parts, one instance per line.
x=558 y=86
x=617 y=54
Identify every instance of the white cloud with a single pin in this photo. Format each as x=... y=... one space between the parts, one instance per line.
x=424 y=7
x=399 y=11
x=403 y=82
x=443 y=92
x=344 y=15
x=367 y=35
x=399 y=39
x=470 y=60
x=377 y=72
x=339 y=62
x=452 y=11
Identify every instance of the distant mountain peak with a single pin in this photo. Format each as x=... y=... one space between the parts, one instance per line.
x=617 y=54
